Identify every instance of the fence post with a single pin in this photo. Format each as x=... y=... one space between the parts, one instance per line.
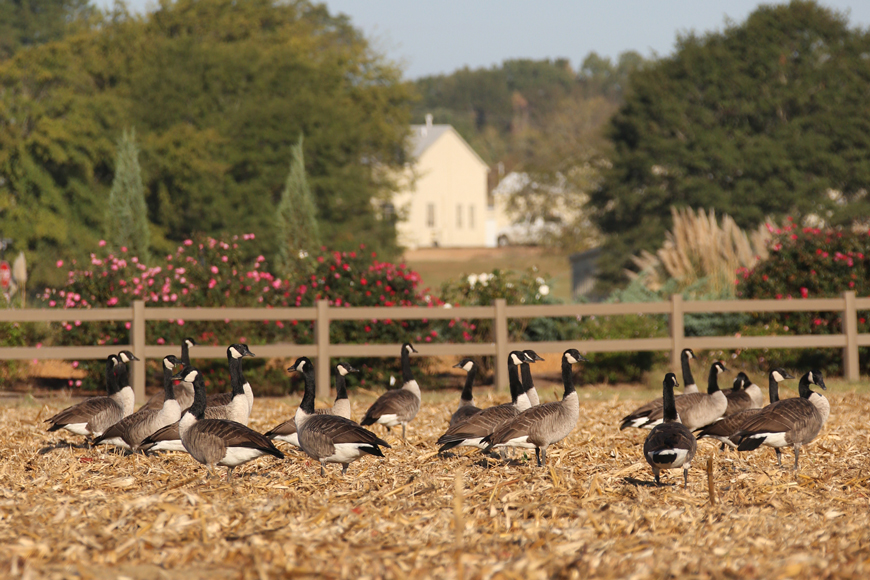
x=850 y=329
x=321 y=338
x=677 y=331
x=137 y=332
x=500 y=335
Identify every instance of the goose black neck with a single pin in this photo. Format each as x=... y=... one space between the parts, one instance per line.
x=407 y=377
x=307 y=403
x=469 y=381
x=111 y=385
x=773 y=389
x=514 y=381
x=804 y=387
x=688 y=379
x=526 y=373
x=122 y=377
x=168 y=391
x=340 y=386
x=185 y=354
x=713 y=380
x=567 y=377
x=197 y=409
x=670 y=404
x=237 y=380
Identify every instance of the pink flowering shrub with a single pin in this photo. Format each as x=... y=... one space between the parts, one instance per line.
x=810 y=263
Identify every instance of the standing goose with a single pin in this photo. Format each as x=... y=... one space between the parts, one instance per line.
x=697 y=410
x=670 y=444
x=125 y=396
x=235 y=354
x=131 y=430
x=236 y=409
x=95 y=414
x=218 y=441
x=738 y=398
x=526 y=374
x=330 y=438
x=792 y=422
x=539 y=427
x=640 y=415
x=397 y=407
x=182 y=393
x=287 y=431
x=466 y=401
x=470 y=433
x=724 y=429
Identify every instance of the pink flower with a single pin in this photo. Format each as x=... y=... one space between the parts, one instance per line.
x=111 y=301
x=188 y=242
x=127 y=325
x=180 y=322
x=60 y=263
x=224 y=259
x=102 y=243
x=78 y=383
x=124 y=249
x=804 y=292
x=161 y=341
x=212 y=283
x=52 y=303
x=214 y=270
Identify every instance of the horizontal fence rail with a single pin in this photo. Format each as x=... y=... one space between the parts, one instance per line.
x=499 y=313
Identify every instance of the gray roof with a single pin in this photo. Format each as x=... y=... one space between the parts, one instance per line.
x=423 y=137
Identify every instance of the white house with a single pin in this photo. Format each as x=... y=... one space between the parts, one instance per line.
x=446 y=203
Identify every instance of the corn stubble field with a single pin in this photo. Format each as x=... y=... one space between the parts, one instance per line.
x=80 y=513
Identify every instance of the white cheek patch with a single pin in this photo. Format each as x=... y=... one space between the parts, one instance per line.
x=342 y=371
x=811 y=378
x=235 y=353
x=777 y=377
x=300 y=365
x=515 y=359
x=168 y=364
x=190 y=377
x=468 y=366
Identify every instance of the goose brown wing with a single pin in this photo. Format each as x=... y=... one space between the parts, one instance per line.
x=683 y=403
x=218 y=399
x=779 y=417
x=727 y=426
x=288 y=427
x=168 y=433
x=480 y=424
x=642 y=411
x=236 y=435
x=340 y=430
x=463 y=413
x=84 y=412
x=523 y=424
x=737 y=401
x=670 y=436
x=155 y=402
x=396 y=402
x=126 y=427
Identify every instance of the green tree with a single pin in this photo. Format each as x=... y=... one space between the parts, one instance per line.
x=768 y=117
x=25 y=23
x=127 y=217
x=298 y=232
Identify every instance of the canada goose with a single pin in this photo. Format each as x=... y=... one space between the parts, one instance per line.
x=526 y=374
x=792 y=422
x=466 y=401
x=95 y=414
x=470 y=433
x=399 y=406
x=218 y=441
x=738 y=398
x=237 y=409
x=286 y=431
x=330 y=438
x=697 y=409
x=131 y=430
x=125 y=395
x=235 y=354
x=640 y=416
x=539 y=427
x=670 y=444
x=183 y=393
x=725 y=428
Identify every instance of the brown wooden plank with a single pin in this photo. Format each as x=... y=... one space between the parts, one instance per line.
x=394 y=350
x=598 y=309
x=63 y=315
x=410 y=313
x=627 y=344
x=286 y=350
x=812 y=305
x=230 y=314
x=735 y=342
x=60 y=352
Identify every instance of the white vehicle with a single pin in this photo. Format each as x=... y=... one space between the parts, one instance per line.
x=528 y=232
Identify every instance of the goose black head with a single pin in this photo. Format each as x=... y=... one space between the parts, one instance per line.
x=189 y=342
x=409 y=348
x=465 y=364
x=302 y=365
x=187 y=375
x=238 y=351
x=741 y=381
x=126 y=356
x=780 y=374
x=688 y=353
x=170 y=361
x=720 y=367
x=532 y=356
x=670 y=381
x=517 y=357
x=343 y=369
x=815 y=378
x=573 y=356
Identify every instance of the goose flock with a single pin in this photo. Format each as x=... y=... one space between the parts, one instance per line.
x=214 y=429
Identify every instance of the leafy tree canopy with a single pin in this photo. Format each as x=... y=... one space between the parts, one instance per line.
x=767 y=118
x=26 y=23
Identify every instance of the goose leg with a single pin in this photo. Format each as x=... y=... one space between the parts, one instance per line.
x=230 y=475
x=538 y=455
x=543 y=457
x=778 y=456
x=344 y=468
x=686 y=475
x=403 y=432
x=322 y=470
x=797 y=452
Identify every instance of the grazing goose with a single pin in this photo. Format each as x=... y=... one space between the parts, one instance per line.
x=399 y=406
x=697 y=410
x=218 y=441
x=182 y=392
x=330 y=438
x=466 y=401
x=237 y=409
x=725 y=428
x=470 y=433
x=131 y=430
x=286 y=431
x=95 y=414
x=640 y=415
x=670 y=444
x=539 y=427
x=792 y=422
x=526 y=374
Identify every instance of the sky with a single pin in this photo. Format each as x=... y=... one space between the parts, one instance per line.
x=429 y=37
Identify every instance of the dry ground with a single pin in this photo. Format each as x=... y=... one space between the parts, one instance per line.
x=79 y=513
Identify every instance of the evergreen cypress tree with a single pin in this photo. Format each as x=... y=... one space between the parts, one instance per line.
x=128 y=214
x=298 y=233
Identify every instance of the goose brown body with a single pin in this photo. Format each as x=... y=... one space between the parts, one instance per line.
x=670 y=444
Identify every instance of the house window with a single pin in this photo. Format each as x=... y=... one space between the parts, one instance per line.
x=471 y=216
x=458 y=217
x=430 y=215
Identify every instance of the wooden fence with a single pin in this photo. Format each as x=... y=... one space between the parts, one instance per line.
x=499 y=313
